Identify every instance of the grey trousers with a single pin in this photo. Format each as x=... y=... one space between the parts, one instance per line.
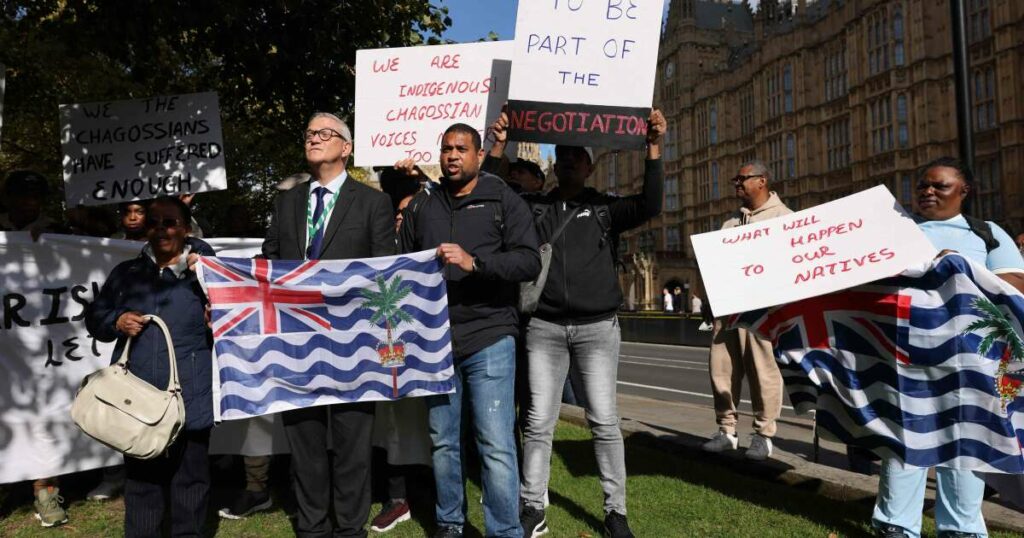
x=593 y=351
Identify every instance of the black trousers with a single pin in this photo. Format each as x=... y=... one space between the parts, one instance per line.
x=180 y=479
x=341 y=481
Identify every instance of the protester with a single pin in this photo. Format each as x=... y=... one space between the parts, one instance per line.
x=525 y=175
x=159 y=282
x=666 y=300
x=575 y=325
x=334 y=217
x=943 y=186
x=25 y=195
x=400 y=429
x=484 y=234
x=132 y=220
x=736 y=353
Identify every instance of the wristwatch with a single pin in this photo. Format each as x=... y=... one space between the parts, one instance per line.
x=476 y=265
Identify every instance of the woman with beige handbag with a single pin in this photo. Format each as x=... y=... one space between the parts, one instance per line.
x=159 y=283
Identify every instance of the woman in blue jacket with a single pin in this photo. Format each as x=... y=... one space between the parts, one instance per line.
x=159 y=282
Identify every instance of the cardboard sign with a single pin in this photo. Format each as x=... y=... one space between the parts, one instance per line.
x=827 y=248
x=407 y=97
x=583 y=71
x=133 y=150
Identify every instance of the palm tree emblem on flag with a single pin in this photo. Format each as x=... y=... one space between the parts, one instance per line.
x=999 y=328
x=386 y=311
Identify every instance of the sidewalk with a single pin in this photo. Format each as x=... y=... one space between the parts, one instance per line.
x=681 y=428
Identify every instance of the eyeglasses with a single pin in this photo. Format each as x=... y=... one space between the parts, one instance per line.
x=166 y=222
x=741 y=178
x=324 y=134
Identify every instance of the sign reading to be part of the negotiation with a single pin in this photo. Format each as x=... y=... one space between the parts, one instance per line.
x=407 y=97
x=844 y=243
x=134 y=150
x=583 y=71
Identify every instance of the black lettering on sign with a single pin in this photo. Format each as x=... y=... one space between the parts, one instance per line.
x=52 y=317
x=14 y=302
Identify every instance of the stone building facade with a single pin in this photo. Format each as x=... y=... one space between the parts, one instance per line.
x=836 y=96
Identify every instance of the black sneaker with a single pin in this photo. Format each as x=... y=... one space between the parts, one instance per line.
x=448 y=532
x=615 y=526
x=890 y=531
x=533 y=522
x=249 y=502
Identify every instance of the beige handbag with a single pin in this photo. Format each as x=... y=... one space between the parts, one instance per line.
x=128 y=414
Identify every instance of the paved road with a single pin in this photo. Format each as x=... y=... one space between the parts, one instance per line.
x=672 y=373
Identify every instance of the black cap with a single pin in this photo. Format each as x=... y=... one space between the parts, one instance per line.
x=530 y=167
x=26 y=182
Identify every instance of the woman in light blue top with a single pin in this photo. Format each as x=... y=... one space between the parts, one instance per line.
x=943 y=186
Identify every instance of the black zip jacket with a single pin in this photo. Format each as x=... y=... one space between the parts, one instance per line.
x=583 y=285
x=494 y=225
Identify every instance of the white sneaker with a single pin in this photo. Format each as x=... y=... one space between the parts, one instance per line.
x=721 y=442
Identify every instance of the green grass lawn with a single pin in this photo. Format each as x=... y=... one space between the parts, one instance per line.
x=667 y=496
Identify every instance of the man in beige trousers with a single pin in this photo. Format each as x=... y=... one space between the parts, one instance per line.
x=737 y=352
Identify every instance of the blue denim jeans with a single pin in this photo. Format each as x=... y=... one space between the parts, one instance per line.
x=486 y=380
x=591 y=353
x=958 y=499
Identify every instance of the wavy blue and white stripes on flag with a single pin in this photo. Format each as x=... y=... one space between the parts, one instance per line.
x=891 y=366
x=292 y=334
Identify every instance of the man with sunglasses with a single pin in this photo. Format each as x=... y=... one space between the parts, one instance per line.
x=737 y=352
x=332 y=217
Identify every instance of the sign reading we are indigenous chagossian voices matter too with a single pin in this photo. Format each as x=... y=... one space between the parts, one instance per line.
x=144 y=148
x=583 y=71
x=844 y=243
x=407 y=97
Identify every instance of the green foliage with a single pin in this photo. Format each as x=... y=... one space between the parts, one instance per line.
x=271 y=62
x=384 y=303
x=999 y=329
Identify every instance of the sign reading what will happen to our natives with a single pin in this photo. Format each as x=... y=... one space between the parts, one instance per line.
x=133 y=150
x=583 y=71
x=407 y=97
x=844 y=243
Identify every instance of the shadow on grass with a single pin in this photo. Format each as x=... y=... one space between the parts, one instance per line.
x=735 y=480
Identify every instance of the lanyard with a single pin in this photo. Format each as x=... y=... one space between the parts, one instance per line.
x=311 y=227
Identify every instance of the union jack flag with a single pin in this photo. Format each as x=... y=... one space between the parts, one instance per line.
x=901 y=366
x=290 y=334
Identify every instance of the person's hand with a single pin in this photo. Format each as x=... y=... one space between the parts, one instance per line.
x=206 y=314
x=656 y=126
x=187 y=198
x=500 y=128
x=131 y=323
x=452 y=254
x=409 y=168
x=192 y=260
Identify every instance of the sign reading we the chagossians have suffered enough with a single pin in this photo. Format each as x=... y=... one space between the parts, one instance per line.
x=134 y=150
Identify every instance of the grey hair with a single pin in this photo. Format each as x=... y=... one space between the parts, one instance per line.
x=344 y=130
x=760 y=168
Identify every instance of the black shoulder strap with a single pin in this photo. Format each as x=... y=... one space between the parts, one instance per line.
x=565 y=222
x=982 y=229
x=604 y=220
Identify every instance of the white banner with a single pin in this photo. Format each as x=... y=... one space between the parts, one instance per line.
x=407 y=97
x=827 y=248
x=145 y=148
x=45 y=352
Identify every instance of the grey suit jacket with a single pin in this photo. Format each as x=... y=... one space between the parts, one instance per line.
x=362 y=225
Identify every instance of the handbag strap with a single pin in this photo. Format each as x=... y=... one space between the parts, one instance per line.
x=565 y=223
x=173 y=383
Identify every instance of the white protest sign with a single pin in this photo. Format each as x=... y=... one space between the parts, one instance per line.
x=583 y=72
x=407 y=97
x=45 y=352
x=134 y=150
x=844 y=243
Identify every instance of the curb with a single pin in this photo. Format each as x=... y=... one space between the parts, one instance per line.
x=783 y=468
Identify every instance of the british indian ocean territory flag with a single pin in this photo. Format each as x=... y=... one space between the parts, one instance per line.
x=290 y=334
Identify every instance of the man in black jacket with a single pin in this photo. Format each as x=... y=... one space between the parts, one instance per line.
x=575 y=322
x=484 y=234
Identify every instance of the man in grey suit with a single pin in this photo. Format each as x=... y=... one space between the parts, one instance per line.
x=332 y=217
